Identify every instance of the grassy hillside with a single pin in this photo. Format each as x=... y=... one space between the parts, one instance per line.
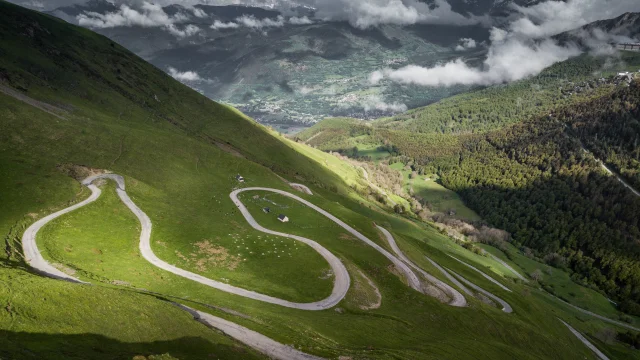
x=179 y=153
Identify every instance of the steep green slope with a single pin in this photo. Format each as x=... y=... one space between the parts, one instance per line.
x=168 y=150
x=569 y=82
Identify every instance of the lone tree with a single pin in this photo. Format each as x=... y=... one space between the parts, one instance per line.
x=536 y=275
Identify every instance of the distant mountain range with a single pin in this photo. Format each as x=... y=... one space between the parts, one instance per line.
x=286 y=68
x=297 y=72
x=623 y=29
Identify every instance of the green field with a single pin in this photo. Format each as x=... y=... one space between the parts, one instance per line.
x=560 y=283
x=440 y=198
x=168 y=151
x=372 y=151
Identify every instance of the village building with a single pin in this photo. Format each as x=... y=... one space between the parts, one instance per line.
x=239 y=178
x=283 y=218
x=266 y=210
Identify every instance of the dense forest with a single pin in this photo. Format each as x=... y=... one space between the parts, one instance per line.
x=536 y=181
x=610 y=128
x=492 y=108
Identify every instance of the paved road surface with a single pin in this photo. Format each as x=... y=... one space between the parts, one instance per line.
x=483 y=274
x=615 y=322
x=32 y=255
x=626 y=184
x=249 y=337
x=586 y=342
x=505 y=306
x=414 y=282
x=457 y=299
x=341 y=283
x=517 y=274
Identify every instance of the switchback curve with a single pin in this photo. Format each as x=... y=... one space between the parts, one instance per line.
x=247 y=336
x=457 y=299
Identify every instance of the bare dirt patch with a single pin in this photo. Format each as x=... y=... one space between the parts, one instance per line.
x=326 y=274
x=228 y=148
x=435 y=292
x=208 y=255
x=368 y=299
x=65 y=269
x=120 y=283
x=345 y=236
x=79 y=172
x=48 y=108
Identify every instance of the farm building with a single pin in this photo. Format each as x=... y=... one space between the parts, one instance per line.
x=266 y=210
x=239 y=178
x=283 y=218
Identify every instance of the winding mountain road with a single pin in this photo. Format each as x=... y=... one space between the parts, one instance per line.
x=457 y=299
x=504 y=263
x=341 y=283
x=622 y=181
x=247 y=336
x=413 y=280
x=586 y=342
x=31 y=253
x=251 y=338
x=505 y=306
x=483 y=274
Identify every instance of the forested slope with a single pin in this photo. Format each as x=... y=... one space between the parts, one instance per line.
x=536 y=181
x=526 y=164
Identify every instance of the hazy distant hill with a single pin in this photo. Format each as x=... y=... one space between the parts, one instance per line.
x=296 y=73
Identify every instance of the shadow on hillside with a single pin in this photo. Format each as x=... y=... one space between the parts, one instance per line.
x=24 y=345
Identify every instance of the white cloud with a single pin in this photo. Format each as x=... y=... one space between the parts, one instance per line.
x=187 y=31
x=508 y=61
x=149 y=15
x=376 y=77
x=466 y=43
x=251 y=21
x=34 y=4
x=553 y=17
x=524 y=48
x=187 y=76
x=300 y=20
x=197 y=12
x=367 y=13
x=217 y=25
x=376 y=103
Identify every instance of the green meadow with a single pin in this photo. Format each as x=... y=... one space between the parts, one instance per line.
x=180 y=153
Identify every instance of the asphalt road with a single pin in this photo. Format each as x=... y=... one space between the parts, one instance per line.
x=414 y=282
x=457 y=299
x=483 y=274
x=34 y=258
x=586 y=342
